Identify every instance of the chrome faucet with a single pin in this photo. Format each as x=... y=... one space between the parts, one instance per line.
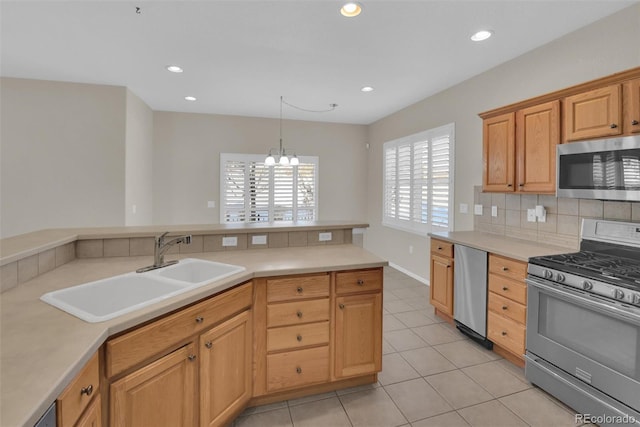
x=160 y=247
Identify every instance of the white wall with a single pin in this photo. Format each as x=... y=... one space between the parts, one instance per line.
x=187 y=151
x=62 y=148
x=600 y=49
x=138 y=162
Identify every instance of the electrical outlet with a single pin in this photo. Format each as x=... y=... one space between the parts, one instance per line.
x=211 y=204
x=230 y=241
x=324 y=237
x=494 y=211
x=464 y=208
x=134 y=208
x=410 y=249
x=531 y=215
x=477 y=209
x=259 y=240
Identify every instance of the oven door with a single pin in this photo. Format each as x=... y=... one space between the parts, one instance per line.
x=595 y=340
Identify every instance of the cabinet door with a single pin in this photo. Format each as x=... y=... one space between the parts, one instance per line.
x=498 y=153
x=632 y=106
x=441 y=284
x=225 y=370
x=162 y=393
x=593 y=114
x=92 y=417
x=538 y=134
x=358 y=335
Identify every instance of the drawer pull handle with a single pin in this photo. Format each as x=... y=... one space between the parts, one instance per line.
x=299 y=314
x=504 y=333
x=299 y=370
x=505 y=268
x=199 y=319
x=208 y=344
x=634 y=122
x=341 y=306
x=504 y=288
x=86 y=390
x=504 y=307
x=439 y=248
x=613 y=126
x=299 y=289
x=360 y=282
x=191 y=357
x=299 y=338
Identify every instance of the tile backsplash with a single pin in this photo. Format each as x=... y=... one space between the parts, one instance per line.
x=564 y=216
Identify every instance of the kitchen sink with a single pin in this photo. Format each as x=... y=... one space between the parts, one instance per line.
x=197 y=272
x=114 y=296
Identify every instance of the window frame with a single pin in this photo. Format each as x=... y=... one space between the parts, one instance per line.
x=412 y=225
x=258 y=158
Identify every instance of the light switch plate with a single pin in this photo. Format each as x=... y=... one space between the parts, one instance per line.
x=259 y=240
x=230 y=241
x=464 y=208
x=324 y=237
x=531 y=215
x=477 y=209
x=494 y=211
x=211 y=204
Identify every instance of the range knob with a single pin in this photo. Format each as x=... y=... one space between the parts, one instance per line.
x=547 y=274
x=618 y=294
x=587 y=285
x=560 y=277
x=636 y=299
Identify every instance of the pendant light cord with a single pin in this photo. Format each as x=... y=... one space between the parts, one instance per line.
x=282 y=101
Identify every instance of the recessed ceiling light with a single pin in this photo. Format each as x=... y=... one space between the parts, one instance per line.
x=367 y=89
x=351 y=9
x=174 y=68
x=190 y=98
x=481 y=35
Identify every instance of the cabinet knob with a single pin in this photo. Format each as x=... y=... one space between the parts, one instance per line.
x=520 y=185
x=86 y=390
x=299 y=370
x=635 y=122
x=439 y=248
x=299 y=289
x=613 y=126
x=504 y=333
x=199 y=319
x=341 y=306
x=505 y=268
x=299 y=314
x=208 y=344
x=504 y=307
x=191 y=357
x=299 y=338
x=360 y=282
x=504 y=288
x=509 y=185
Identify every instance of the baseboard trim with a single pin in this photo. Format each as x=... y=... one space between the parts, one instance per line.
x=409 y=273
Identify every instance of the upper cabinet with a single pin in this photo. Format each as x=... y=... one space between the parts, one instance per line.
x=498 y=153
x=593 y=114
x=631 y=106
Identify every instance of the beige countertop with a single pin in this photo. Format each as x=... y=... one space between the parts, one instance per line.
x=518 y=249
x=23 y=245
x=43 y=348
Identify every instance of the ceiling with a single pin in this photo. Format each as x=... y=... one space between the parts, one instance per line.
x=240 y=56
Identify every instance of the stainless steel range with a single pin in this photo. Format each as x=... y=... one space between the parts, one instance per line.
x=583 y=324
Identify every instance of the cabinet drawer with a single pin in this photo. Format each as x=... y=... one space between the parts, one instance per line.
x=506 y=333
x=292 y=288
x=75 y=398
x=358 y=281
x=441 y=247
x=147 y=341
x=507 y=267
x=508 y=288
x=297 y=312
x=292 y=337
x=508 y=308
x=297 y=368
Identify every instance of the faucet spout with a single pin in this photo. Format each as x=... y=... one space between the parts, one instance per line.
x=160 y=247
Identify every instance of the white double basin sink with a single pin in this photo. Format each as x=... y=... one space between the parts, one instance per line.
x=114 y=296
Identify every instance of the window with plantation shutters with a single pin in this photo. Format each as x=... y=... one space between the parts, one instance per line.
x=253 y=192
x=418 y=181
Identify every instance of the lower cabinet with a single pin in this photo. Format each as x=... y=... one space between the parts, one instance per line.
x=441 y=277
x=92 y=416
x=161 y=393
x=80 y=403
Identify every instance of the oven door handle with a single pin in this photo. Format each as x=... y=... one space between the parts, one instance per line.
x=611 y=309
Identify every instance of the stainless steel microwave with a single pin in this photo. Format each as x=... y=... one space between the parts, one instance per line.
x=605 y=169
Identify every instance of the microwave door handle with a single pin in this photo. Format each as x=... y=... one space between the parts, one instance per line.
x=601 y=306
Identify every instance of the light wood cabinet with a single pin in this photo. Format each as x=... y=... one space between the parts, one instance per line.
x=537 y=135
x=83 y=390
x=507 y=307
x=499 y=153
x=441 y=277
x=358 y=342
x=225 y=370
x=593 y=114
x=631 y=106
x=161 y=393
x=92 y=416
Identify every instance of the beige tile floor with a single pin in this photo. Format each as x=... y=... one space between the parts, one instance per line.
x=431 y=376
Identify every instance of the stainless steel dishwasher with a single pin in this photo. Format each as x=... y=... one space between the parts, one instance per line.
x=470 y=293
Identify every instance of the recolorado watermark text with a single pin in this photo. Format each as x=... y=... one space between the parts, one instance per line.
x=606 y=419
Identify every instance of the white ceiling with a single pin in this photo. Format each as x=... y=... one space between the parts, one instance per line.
x=240 y=56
